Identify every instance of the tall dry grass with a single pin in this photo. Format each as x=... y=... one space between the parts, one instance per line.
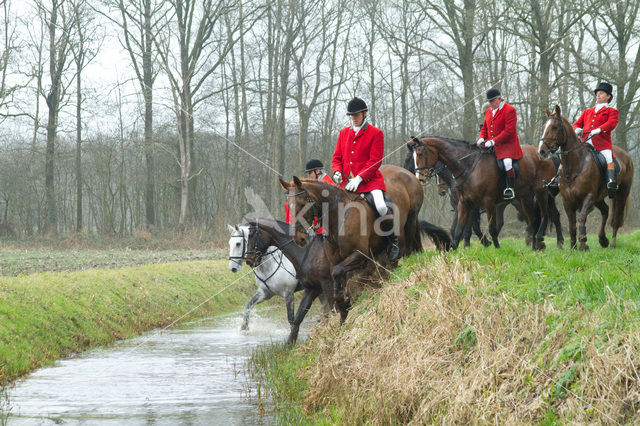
x=444 y=347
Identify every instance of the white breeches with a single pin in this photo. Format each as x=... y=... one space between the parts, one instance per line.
x=508 y=163
x=378 y=199
x=608 y=155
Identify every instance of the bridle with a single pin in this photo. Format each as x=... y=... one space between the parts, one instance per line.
x=239 y=259
x=435 y=169
x=314 y=209
x=556 y=146
x=254 y=230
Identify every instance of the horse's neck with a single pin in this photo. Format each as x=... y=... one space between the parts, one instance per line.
x=450 y=156
x=283 y=241
x=575 y=154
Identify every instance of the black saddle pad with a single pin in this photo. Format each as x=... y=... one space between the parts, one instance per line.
x=503 y=173
x=369 y=199
x=602 y=163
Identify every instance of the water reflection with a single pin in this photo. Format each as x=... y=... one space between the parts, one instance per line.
x=192 y=375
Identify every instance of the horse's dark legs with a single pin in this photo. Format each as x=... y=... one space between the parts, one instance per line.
x=554 y=215
x=463 y=217
x=259 y=297
x=541 y=218
x=354 y=261
x=308 y=296
x=475 y=222
x=587 y=206
x=490 y=209
x=604 y=211
x=571 y=216
x=289 y=302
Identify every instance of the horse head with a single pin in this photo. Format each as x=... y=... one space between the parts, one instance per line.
x=555 y=133
x=303 y=209
x=424 y=158
x=237 y=248
x=257 y=245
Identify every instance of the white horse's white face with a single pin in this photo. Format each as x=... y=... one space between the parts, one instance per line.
x=237 y=247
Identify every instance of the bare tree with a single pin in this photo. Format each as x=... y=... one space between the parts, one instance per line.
x=59 y=20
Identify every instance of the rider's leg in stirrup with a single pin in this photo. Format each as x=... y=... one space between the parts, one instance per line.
x=509 y=192
x=384 y=209
x=612 y=185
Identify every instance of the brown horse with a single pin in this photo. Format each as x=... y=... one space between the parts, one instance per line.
x=353 y=234
x=581 y=184
x=311 y=264
x=479 y=183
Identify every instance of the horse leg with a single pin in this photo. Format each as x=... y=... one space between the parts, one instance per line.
x=602 y=234
x=587 y=206
x=288 y=299
x=354 y=261
x=541 y=218
x=308 y=296
x=463 y=217
x=260 y=296
x=490 y=209
x=554 y=215
x=468 y=229
x=475 y=218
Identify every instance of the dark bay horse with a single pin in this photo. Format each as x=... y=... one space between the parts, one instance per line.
x=352 y=231
x=479 y=182
x=581 y=185
x=447 y=186
x=311 y=264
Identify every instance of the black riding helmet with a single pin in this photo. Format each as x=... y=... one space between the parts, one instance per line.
x=356 y=105
x=606 y=88
x=313 y=165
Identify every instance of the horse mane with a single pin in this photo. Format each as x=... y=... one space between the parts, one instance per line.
x=458 y=142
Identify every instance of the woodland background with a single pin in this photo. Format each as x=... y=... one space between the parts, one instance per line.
x=125 y=116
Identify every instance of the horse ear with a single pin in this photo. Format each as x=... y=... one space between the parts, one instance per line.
x=558 y=110
x=546 y=109
x=284 y=184
x=297 y=182
x=231 y=228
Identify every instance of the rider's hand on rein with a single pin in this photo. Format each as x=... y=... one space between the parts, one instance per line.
x=479 y=143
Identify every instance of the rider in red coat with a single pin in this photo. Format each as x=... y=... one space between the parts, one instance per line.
x=595 y=126
x=356 y=160
x=314 y=170
x=499 y=131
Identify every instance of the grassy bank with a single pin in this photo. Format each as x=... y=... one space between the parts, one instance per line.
x=46 y=316
x=478 y=335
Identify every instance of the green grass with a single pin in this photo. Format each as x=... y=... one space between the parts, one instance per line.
x=46 y=316
x=594 y=297
x=14 y=262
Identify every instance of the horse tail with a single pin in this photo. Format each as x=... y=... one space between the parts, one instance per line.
x=439 y=236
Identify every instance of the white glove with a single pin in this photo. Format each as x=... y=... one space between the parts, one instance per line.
x=595 y=131
x=353 y=184
x=579 y=131
x=479 y=143
x=337 y=177
x=489 y=144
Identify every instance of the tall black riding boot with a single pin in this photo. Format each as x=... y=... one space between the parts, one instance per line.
x=612 y=185
x=509 y=193
x=394 y=243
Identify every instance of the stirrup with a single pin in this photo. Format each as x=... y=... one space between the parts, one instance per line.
x=508 y=194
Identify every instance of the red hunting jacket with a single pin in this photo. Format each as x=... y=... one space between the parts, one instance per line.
x=502 y=129
x=606 y=119
x=287 y=214
x=360 y=154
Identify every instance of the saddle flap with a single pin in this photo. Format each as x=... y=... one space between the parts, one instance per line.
x=369 y=199
x=503 y=173
x=602 y=162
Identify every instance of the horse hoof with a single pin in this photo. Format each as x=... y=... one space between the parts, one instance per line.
x=244 y=327
x=583 y=247
x=604 y=241
x=559 y=244
x=541 y=246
